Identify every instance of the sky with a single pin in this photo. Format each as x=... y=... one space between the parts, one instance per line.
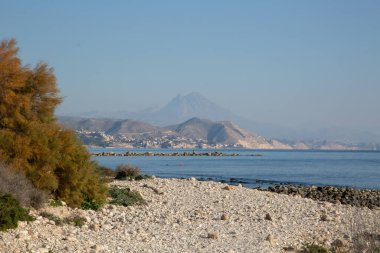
x=283 y=62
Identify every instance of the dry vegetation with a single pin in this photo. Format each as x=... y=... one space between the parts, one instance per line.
x=20 y=187
x=38 y=156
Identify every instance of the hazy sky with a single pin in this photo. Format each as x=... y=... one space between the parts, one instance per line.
x=283 y=62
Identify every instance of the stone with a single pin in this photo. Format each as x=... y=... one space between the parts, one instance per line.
x=107 y=227
x=270 y=239
x=22 y=234
x=70 y=239
x=325 y=217
x=225 y=217
x=289 y=249
x=213 y=236
x=98 y=248
x=268 y=217
x=340 y=243
x=228 y=188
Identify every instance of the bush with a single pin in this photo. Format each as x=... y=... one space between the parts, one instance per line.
x=125 y=197
x=142 y=177
x=124 y=172
x=106 y=172
x=89 y=204
x=52 y=217
x=75 y=220
x=364 y=230
x=55 y=202
x=16 y=184
x=31 y=139
x=314 y=248
x=11 y=212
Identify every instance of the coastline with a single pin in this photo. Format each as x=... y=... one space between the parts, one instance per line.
x=182 y=214
x=129 y=147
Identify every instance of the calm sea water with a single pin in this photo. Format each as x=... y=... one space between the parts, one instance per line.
x=360 y=169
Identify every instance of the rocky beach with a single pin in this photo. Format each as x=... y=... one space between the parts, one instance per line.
x=193 y=216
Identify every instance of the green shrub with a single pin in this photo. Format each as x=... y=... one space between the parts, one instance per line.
x=126 y=172
x=52 y=217
x=314 y=248
x=75 y=220
x=11 y=212
x=142 y=177
x=55 y=202
x=90 y=204
x=16 y=184
x=125 y=197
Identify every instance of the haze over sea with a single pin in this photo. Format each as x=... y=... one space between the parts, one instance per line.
x=359 y=169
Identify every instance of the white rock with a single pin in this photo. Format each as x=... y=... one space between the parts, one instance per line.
x=43 y=250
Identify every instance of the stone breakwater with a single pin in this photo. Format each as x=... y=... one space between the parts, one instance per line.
x=193 y=216
x=347 y=196
x=169 y=154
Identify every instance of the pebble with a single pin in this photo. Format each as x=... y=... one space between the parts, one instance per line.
x=228 y=188
x=187 y=218
x=270 y=239
x=225 y=217
x=213 y=236
x=268 y=217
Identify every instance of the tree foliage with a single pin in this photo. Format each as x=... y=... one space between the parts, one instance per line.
x=32 y=141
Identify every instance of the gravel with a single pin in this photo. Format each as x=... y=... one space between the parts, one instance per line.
x=193 y=216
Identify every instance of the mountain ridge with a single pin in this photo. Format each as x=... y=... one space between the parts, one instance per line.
x=194 y=130
x=184 y=107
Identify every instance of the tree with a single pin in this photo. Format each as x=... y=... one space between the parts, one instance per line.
x=33 y=142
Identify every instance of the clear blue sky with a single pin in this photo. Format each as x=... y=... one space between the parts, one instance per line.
x=283 y=62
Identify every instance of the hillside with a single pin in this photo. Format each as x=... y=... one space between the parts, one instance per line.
x=193 y=133
x=127 y=127
x=184 y=107
x=225 y=133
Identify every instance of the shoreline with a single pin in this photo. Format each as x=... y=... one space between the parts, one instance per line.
x=346 y=195
x=233 y=148
x=187 y=215
x=193 y=153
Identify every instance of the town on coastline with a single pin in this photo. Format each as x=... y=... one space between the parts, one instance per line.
x=194 y=133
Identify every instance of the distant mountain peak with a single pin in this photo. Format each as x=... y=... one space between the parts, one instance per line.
x=195 y=94
x=184 y=107
x=195 y=119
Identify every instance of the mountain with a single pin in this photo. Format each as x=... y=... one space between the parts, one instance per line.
x=193 y=133
x=224 y=133
x=184 y=107
x=128 y=127
x=179 y=109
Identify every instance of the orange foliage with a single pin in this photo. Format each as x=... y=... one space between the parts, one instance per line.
x=30 y=138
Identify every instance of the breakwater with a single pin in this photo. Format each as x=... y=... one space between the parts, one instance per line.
x=129 y=153
x=343 y=195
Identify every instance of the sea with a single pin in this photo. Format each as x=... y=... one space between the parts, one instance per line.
x=358 y=169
